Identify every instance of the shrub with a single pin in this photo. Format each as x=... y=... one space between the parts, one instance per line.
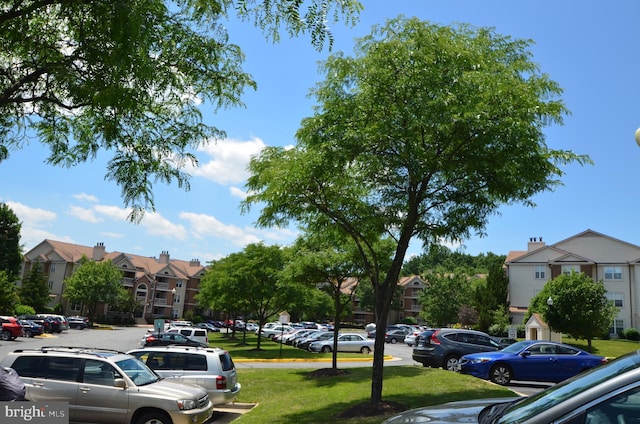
x=631 y=334
x=24 y=310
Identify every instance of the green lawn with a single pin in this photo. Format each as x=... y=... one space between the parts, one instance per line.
x=291 y=396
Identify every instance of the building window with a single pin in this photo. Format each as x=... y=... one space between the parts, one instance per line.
x=176 y=298
x=50 y=285
x=179 y=283
x=540 y=272
x=617 y=327
x=52 y=268
x=613 y=273
x=616 y=298
x=568 y=269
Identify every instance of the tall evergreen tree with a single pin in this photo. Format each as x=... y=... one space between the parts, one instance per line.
x=10 y=252
x=34 y=291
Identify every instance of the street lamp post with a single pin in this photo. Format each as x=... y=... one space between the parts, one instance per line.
x=549 y=304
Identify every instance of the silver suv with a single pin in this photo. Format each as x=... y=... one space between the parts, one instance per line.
x=211 y=368
x=105 y=386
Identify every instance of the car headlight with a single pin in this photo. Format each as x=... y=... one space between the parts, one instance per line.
x=478 y=360
x=186 y=404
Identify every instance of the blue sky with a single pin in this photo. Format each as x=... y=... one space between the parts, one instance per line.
x=590 y=48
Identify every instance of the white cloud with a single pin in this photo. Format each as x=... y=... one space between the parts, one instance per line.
x=113 y=212
x=84 y=214
x=229 y=160
x=157 y=225
x=34 y=222
x=204 y=225
x=88 y=197
x=31 y=215
x=239 y=193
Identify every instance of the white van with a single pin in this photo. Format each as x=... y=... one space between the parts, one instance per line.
x=199 y=334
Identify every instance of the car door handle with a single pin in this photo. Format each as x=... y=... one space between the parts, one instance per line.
x=85 y=389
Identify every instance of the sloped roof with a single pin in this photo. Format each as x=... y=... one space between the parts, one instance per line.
x=143 y=264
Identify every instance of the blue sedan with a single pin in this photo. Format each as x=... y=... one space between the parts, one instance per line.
x=529 y=360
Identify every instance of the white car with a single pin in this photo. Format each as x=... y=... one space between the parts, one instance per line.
x=276 y=329
x=347 y=342
x=410 y=339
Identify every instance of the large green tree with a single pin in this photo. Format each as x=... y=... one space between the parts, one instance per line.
x=578 y=307
x=8 y=294
x=249 y=281
x=443 y=297
x=10 y=251
x=34 y=290
x=93 y=283
x=128 y=77
x=424 y=133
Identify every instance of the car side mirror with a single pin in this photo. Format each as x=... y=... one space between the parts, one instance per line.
x=119 y=382
x=526 y=353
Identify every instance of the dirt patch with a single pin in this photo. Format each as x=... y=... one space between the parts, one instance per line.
x=368 y=409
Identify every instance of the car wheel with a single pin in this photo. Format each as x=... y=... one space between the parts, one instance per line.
x=325 y=349
x=365 y=349
x=28 y=333
x=451 y=363
x=394 y=341
x=5 y=336
x=154 y=418
x=500 y=374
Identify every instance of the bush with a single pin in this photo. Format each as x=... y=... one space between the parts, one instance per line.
x=24 y=310
x=631 y=334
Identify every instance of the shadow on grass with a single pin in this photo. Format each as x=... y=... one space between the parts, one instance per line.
x=334 y=411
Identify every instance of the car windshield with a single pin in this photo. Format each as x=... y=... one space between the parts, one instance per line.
x=137 y=371
x=532 y=406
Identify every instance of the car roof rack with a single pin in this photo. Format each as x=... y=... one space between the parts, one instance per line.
x=73 y=349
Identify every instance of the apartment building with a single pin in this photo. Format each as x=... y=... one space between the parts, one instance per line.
x=163 y=287
x=615 y=262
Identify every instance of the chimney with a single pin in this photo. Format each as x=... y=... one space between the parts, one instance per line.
x=98 y=252
x=535 y=243
x=194 y=262
x=164 y=257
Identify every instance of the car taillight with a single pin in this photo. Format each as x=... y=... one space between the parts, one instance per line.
x=434 y=339
x=221 y=382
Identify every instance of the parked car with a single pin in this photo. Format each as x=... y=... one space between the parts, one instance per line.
x=395 y=336
x=30 y=328
x=63 y=324
x=447 y=345
x=530 y=360
x=313 y=337
x=78 y=322
x=251 y=326
x=207 y=326
x=11 y=328
x=347 y=342
x=276 y=329
x=104 y=386
x=199 y=334
x=609 y=394
x=45 y=323
x=505 y=341
x=166 y=339
x=211 y=368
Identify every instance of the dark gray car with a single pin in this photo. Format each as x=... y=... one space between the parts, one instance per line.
x=444 y=347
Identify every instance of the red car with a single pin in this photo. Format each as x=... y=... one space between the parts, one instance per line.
x=11 y=328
